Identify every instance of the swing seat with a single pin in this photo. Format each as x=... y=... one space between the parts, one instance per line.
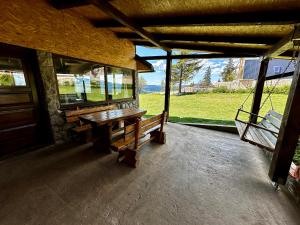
x=264 y=134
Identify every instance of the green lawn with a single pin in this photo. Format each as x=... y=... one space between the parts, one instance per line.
x=214 y=108
x=96 y=93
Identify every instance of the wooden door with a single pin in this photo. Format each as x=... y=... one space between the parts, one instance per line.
x=23 y=123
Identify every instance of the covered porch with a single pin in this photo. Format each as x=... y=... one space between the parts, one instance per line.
x=69 y=74
x=198 y=177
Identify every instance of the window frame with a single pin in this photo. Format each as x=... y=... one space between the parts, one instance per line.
x=106 y=101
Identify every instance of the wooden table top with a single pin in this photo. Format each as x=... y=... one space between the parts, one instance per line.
x=105 y=117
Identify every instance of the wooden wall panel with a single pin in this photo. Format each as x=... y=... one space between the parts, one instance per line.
x=10 y=119
x=36 y=24
x=7 y=99
x=18 y=139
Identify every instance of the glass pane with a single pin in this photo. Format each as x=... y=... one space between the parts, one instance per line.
x=96 y=92
x=11 y=72
x=79 y=81
x=120 y=83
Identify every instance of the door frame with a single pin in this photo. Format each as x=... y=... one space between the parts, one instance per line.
x=33 y=76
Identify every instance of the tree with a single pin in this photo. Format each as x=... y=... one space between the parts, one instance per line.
x=207 y=77
x=228 y=73
x=185 y=70
x=142 y=84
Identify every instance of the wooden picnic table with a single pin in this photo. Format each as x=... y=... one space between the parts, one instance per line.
x=103 y=122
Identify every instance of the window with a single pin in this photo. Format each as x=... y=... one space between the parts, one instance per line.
x=79 y=81
x=84 y=82
x=120 y=83
x=11 y=72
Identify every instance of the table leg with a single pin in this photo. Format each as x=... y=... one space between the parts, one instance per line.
x=102 y=136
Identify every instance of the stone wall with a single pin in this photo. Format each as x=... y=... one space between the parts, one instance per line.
x=60 y=129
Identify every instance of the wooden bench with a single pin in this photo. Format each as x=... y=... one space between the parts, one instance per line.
x=263 y=134
x=79 y=128
x=138 y=134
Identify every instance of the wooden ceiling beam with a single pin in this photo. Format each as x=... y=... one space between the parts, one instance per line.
x=197 y=56
x=125 y=21
x=285 y=44
x=274 y=17
x=254 y=52
x=67 y=4
x=205 y=38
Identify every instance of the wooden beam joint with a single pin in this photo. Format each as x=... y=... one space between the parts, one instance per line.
x=284 y=44
x=123 y=19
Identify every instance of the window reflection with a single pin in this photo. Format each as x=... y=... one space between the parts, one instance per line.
x=120 y=83
x=79 y=81
x=11 y=72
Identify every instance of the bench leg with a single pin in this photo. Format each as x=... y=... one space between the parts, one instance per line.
x=130 y=157
x=158 y=137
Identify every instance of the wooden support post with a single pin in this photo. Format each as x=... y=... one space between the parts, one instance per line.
x=168 y=83
x=259 y=90
x=288 y=134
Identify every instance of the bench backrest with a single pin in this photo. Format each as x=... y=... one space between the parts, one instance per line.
x=143 y=127
x=72 y=116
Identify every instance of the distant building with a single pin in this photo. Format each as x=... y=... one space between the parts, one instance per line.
x=276 y=66
x=248 y=69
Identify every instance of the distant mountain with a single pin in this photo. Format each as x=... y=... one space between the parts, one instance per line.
x=151 y=88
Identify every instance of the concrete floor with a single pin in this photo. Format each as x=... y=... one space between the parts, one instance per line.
x=198 y=177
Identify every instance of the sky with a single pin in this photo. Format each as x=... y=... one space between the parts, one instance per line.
x=155 y=78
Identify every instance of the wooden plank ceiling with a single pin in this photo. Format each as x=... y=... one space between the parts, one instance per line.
x=232 y=27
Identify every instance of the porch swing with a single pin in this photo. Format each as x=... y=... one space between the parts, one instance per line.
x=265 y=133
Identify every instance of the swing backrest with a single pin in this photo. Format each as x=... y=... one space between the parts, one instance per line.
x=271 y=121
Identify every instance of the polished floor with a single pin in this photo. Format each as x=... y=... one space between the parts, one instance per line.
x=198 y=177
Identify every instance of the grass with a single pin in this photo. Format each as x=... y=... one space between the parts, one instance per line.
x=95 y=94
x=212 y=108
x=209 y=108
